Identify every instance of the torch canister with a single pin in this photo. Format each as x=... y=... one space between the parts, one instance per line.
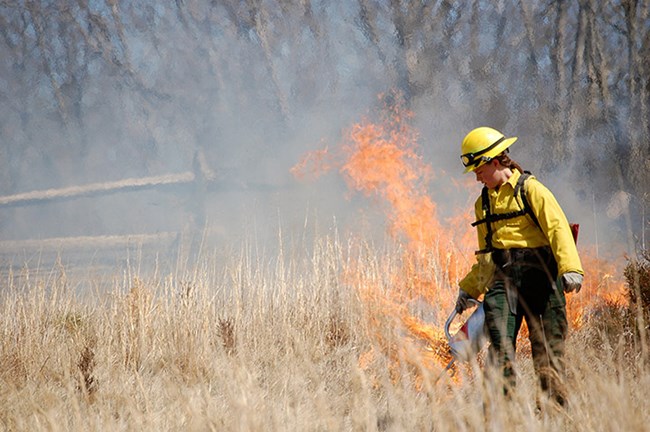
x=471 y=337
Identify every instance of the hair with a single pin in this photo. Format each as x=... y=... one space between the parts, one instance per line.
x=505 y=160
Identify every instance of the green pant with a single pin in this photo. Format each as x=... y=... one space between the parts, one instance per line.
x=544 y=309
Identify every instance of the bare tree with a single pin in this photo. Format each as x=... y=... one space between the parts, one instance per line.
x=138 y=80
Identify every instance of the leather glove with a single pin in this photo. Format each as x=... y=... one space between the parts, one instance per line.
x=463 y=301
x=571 y=281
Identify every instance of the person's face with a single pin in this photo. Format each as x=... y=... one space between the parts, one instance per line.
x=488 y=174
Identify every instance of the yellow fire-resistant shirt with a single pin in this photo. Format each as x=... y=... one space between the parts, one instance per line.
x=521 y=231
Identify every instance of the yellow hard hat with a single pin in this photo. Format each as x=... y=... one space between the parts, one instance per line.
x=481 y=145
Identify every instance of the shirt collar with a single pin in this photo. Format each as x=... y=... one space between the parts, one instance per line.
x=512 y=181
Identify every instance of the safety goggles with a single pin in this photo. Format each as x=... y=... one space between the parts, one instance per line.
x=475 y=159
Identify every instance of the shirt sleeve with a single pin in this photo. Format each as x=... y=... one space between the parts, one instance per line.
x=477 y=281
x=555 y=226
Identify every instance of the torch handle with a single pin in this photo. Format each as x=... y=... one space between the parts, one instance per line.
x=452 y=315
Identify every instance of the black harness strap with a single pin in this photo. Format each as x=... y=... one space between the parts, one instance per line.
x=491 y=218
x=485 y=203
x=527 y=208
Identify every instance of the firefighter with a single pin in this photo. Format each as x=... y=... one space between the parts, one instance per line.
x=526 y=262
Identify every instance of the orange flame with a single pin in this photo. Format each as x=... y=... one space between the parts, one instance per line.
x=382 y=161
x=603 y=284
x=317 y=163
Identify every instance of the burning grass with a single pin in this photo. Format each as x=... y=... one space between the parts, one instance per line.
x=283 y=343
x=340 y=337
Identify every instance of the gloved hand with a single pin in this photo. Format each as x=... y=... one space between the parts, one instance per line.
x=571 y=281
x=463 y=301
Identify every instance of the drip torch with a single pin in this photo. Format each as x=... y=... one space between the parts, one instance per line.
x=469 y=339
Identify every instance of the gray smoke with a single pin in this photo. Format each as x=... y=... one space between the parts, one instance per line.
x=94 y=95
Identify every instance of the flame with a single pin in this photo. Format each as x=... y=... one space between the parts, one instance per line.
x=603 y=284
x=317 y=163
x=381 y=160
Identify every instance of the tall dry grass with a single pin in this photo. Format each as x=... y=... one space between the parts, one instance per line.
x=245 y=342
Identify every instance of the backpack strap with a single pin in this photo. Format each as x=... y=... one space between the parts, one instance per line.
x=485 y=203
x=522 y=194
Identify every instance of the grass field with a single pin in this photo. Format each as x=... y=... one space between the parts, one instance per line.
x=304 y=341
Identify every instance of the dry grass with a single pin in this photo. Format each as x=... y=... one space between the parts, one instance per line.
x=273 y=344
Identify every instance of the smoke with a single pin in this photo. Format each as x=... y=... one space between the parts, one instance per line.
x=250 y=96
x=141 y=90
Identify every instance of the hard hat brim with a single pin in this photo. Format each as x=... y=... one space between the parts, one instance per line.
x=492 y=153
